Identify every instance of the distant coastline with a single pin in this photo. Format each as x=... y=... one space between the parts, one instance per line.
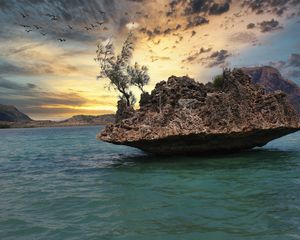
x=78 y=120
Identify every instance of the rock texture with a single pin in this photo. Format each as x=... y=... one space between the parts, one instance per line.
x=271 y=80
x=181 y=116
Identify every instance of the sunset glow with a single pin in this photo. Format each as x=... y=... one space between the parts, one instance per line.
x=52 y=79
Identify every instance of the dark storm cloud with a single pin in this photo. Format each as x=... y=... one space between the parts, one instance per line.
x=218 y=58
x=196 y=21
x=194 y=58
x=277 y=7
x=217 y=9
x=55 y=17
x=293 y=62
x=33 y=69
x=7 y=84
x=268 y=26
x=38 y=98
x=159 y=31
x=200 y=6
x=4 y=5
x=8 y=68
x=251 y=26
x=290 y=67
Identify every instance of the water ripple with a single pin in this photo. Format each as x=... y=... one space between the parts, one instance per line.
x=61 y=183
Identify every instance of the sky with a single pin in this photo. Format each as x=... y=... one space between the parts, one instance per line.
x=47 y=47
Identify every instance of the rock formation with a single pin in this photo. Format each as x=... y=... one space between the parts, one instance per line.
x=182 y=116
x=271 y=80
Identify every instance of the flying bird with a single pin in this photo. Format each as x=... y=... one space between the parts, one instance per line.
x=99 y=23
x=37 y=27
x=61 y=39
x=53 y=17
x=25 y=26
x=70 y=27
x=24 y=15
x=156 y=43
x=44 y=34
x=28 y=30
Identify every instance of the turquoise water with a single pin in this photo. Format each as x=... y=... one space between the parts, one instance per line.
x=62 y=183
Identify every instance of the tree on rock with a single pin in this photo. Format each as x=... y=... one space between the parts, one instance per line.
x=119 y=71
x=139 y=76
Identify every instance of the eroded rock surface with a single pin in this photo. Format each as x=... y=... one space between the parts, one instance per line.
x=182 y=116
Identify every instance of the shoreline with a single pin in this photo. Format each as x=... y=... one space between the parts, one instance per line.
x=16 y=125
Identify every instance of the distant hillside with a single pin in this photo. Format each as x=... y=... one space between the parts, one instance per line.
x=271 y=80
x=12 y=114
x=91 y=120
x=79 y=120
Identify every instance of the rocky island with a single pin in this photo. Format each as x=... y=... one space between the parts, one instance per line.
x=182 y=116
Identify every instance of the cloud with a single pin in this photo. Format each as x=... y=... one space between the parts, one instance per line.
x=218 y=58
x=293 y=61
x=243 y=37
x=162 y=58
x=196 y=21
x=24 y=48
x=34 y=69
x=7 y=84
x=219 y=8
x=194 y=58
x=279 y=65
x=8 y=68
x=207 y=6
x=4 y=5
x=31 y=97
x=251 y=26
x=76 y=13
x=277 y=7
x=268 y=26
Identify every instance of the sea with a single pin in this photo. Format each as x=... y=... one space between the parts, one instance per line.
x=63 y=183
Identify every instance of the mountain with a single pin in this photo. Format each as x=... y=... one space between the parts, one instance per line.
x=78 y=120
x=271 y=80
x=12 y=114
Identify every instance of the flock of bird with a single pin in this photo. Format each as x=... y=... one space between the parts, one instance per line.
x=41 y=30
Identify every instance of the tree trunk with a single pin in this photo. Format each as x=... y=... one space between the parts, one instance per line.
x=127 y=96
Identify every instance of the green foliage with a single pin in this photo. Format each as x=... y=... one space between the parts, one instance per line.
x=218 y=81
x=138 y=75
x=118 y=70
